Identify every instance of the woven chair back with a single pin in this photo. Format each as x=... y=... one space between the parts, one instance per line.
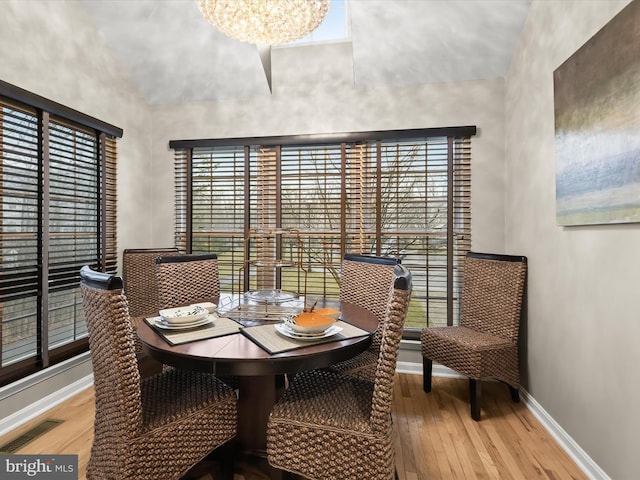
x=140 y=284
x=395 y=314
x=492 y=294
x=187 y=279
x=115 y=372
x=367 y=282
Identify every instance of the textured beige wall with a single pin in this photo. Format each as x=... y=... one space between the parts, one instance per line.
x=307 y=99
x=52 y=49
x=583 y=323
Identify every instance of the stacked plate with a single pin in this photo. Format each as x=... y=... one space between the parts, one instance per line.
x=308 y=326
x=287 y=331
x=182 y=318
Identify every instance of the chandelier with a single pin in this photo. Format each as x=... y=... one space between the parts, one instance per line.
x=265 y=22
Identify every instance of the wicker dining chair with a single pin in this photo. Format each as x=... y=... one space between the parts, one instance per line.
x=151 y=428
x=332 y=426
x=141 y=289
x=485 y=344
x=366 y=282
x=187 y=279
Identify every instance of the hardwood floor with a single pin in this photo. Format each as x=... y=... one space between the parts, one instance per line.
x=435 y=435
x=437 y=439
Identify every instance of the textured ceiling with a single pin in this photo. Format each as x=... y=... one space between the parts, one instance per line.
x=175 y=56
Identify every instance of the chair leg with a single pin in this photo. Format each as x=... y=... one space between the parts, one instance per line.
x=475 y=392
x=221 y=462
x=275 y=474
x=278 y=474
x=225 y=471
x=427 y=367
x=515 y=394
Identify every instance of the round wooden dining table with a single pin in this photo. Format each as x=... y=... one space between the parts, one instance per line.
x=260 y=374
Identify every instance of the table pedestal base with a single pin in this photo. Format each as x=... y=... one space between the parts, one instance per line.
x=256 y=397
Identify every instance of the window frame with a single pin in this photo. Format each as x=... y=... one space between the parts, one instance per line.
x=101 y=138
x=456 y=143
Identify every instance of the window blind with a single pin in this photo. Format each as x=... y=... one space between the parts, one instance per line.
x=19 y=149
x=405 y=194
x=210 y=206
x=311 y=182
x=58 y=208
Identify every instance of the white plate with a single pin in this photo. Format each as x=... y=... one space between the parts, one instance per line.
x=184 y=315
x=287 y=331
x=290 y=322
x=293 y=332
x=160 y=322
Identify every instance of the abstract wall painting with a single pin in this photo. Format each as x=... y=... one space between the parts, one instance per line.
x=597 y=126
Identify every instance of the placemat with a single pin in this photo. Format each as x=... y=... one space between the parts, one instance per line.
x=221 y=326
x=268 y=338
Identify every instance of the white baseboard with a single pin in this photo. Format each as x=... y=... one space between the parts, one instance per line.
x=42 y=405
x=21 y=391
x=590 y=468
x=437 y=370
x=409 y=367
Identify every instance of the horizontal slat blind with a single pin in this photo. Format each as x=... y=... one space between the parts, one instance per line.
x=218 y=207
x=182 y=199
x=58 y=208
x=461 y=213
x=405 y=198
x=110 y=209
x=19 y=196
x=267 y=218
x=414 y=221
x=19 y=202
x=361 y=198
x=74 y=202
x=312 y=203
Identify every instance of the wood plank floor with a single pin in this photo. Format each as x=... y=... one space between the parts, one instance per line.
x=435 y=437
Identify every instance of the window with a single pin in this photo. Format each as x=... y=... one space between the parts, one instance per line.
x=58 y=207
x=404 y=194
x=334 y=27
